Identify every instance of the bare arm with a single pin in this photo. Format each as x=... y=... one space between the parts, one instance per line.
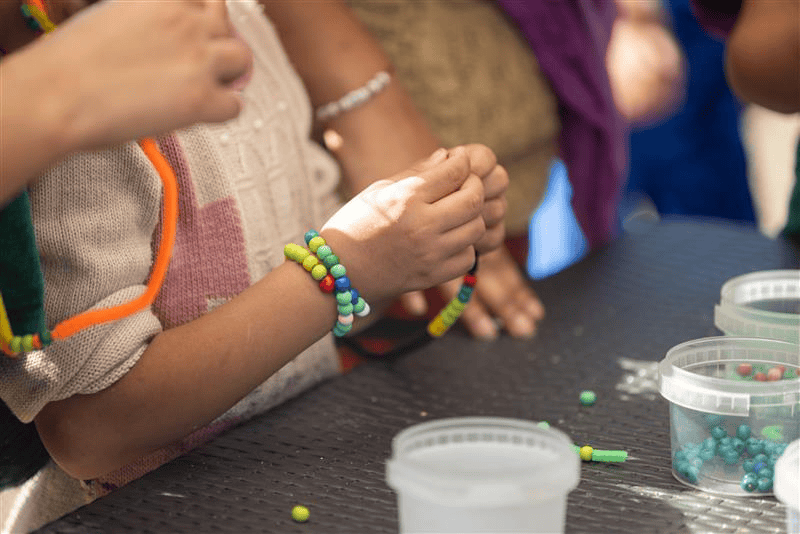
x=763 y=54
x=398 y=235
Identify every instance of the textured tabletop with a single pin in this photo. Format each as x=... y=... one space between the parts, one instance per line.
x=609 y=319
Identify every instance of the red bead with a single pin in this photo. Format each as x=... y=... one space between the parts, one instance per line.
x=761 y=377
x=744 y=369
x=470 y=280
x=327 y=283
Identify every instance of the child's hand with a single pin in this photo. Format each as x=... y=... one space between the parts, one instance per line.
x=413 y=231
x=483 y=162
x=133 y=69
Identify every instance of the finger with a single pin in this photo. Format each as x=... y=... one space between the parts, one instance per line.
x=492 y=239
x=444 y=177
x=232 y=59
x=223 y=105
x=494 y=211
x=481 y=159
x=461 y=206
x=414 y=303
x=495 y=184
x=454 y=266
x=507 y=295
x=219 y=22
x=451 y=242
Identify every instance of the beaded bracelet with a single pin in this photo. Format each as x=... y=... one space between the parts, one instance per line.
x=332 y=277
x=354 y=98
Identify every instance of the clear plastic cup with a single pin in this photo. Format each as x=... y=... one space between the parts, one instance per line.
x=728 y=428
x=761 y=304
x=482 y=474
x=787 y=485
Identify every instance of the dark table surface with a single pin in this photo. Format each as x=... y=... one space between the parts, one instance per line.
x=609 y=319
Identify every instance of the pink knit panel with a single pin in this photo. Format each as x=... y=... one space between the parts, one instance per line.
x=209 y=260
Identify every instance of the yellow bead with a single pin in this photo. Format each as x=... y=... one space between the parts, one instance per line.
x=310 y=262
x=318 y=272
x=295 y=252
x=437 y=328
x=315 y=242
x=27 y=343
x=586 y=453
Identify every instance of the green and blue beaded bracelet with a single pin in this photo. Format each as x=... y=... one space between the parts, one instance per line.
x=325 y=268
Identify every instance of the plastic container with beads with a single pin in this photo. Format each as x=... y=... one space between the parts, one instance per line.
x=761 y=304
x=482 y=474
x=787 y=485
x=729 y=428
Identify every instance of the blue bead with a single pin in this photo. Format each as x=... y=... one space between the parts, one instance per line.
x=342 y=283
x=743 y=432
x=355 y=294
x=758 y=467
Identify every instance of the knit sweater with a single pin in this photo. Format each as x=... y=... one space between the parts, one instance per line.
x=247 y=187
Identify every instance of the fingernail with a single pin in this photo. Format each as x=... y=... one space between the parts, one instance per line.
x=439 y=154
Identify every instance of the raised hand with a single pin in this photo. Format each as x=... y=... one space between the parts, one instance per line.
x=412 y=231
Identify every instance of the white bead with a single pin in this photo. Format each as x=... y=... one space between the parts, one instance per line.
x=365 y=311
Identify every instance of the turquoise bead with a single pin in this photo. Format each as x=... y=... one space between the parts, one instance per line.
x=330 y=260
x=738 y=445
x=692 y=473
x=337 y=271
x=760 y=458
x=731 y=458
x=766 y=472
x=743 y=432
x=311 y=234
x=749 y=482
x=754 y=446
x=718 y=432
x=764 y=484
x=748 y=465
x=707 y=454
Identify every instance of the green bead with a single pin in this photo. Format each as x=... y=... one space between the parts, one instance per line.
x=323 y=252
x=45 y=338
x=300 y=513
x=311 y=234
x=344 y=297
x=27 y=343
x=338 y=270
x=15 y=344
x=318 y=272
x=315 y=242
x=359 y=306
x=345 y=309
x=330 y=260
x=588 y=398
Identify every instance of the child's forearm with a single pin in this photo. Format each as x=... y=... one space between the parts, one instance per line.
x=335 y=54
x=33 y=111
x=763 y=54
x=189 y=375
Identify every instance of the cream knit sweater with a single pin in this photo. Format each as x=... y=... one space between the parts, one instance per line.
x=247 y=187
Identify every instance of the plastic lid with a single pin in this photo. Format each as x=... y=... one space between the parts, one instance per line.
x=688 y=375
x=761 y=304
x=482 y=462
x=787 y=476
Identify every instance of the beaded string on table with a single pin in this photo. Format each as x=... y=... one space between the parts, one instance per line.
x=35 y=13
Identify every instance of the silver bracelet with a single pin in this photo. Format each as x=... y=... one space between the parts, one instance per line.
x=355 y=97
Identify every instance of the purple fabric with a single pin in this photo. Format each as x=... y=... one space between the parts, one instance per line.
x=716 y=16
x=570 y=39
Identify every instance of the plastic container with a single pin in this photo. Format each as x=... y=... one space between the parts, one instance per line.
x=787 y=485
x=762 y=304
x=727 y=429
x=482 y=474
